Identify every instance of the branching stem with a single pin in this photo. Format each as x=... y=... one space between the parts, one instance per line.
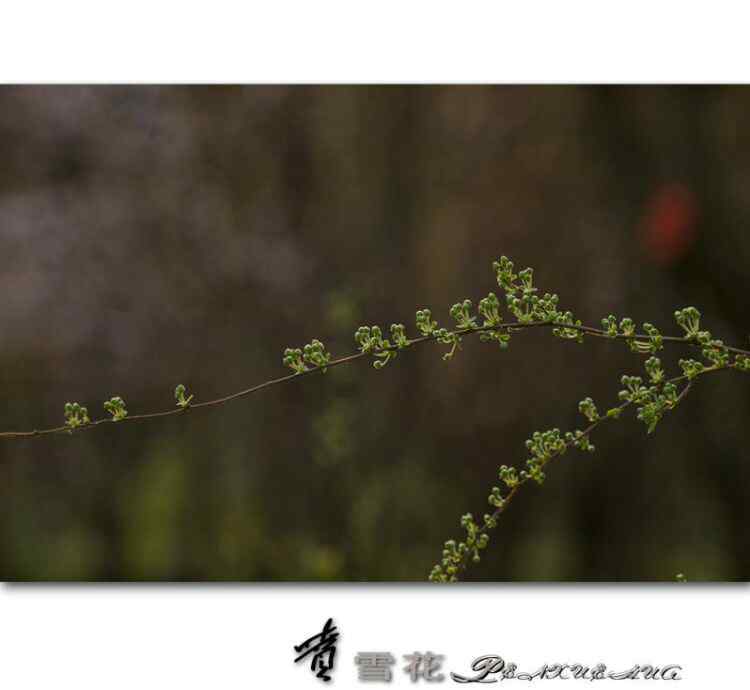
x=512 y=326
x=652 y=398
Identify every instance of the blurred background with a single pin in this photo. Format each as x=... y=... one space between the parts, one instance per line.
x=152 y=236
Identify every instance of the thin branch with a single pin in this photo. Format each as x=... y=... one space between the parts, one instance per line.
x=509 y=327
x=585 y=433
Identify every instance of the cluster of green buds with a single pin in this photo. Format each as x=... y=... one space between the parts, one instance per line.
x=691 y=368
x=398 y=336
x=370 y=339
x=506 y=279
x=428 y=327
x=293 y=360
x=567 y=319
x=182 y=401
x=425 y=324
x=657 y=403
x=650 y=346
x=508 y=476
x=543 y=446
x=314 y=354
x=76 y=415
x=116 y=407
x=455 y=554
x=489 y=309
x=654 y=370
x=713 y=350
x=627 y=327
x=689 y=319
x=651 y=401
x=634 y=391
x=742 y=362
x=579 y=439
x=655 y=340
x=545 y=308
x=609 y=326
x=476 y=539
x=588 y=409
x=524 y=303
x=495 y=499
x=461 y=312
x=520 y=296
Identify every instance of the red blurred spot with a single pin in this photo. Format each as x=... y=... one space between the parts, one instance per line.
x=668 y=229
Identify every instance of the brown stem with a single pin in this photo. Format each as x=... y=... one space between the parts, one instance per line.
x=508 y=327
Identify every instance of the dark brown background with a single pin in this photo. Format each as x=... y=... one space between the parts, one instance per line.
x=151 y=236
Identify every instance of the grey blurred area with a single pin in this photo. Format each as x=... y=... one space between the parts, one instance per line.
x=151 y=236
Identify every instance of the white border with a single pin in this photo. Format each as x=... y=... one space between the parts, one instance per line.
x=240 y=637
x=422 y=41
x=88 y=637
